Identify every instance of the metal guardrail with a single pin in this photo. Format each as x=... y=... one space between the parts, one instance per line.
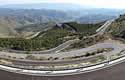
x=64 y=72
x=104 y=62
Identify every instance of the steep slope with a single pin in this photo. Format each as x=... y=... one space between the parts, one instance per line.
x=50 y=38
x=33 y=20
x=36 y=27
x=7 y=26
x=117 y=28
x=26 y=20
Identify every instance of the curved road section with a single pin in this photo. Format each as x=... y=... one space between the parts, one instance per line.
x=117 y=48
x=64 y=72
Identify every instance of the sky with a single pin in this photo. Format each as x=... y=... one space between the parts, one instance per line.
x=120 y=4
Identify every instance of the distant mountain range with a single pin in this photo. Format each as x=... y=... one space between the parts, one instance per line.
x=40 y=16
x=11 y=19
x=95 y=18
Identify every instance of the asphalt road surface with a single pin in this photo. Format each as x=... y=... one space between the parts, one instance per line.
x=116 y=72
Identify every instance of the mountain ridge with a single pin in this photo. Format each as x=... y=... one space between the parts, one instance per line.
x=11 y=19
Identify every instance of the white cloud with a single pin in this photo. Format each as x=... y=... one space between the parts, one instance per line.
x=95 y=3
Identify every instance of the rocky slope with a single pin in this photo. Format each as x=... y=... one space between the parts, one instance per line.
x=117 y=28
